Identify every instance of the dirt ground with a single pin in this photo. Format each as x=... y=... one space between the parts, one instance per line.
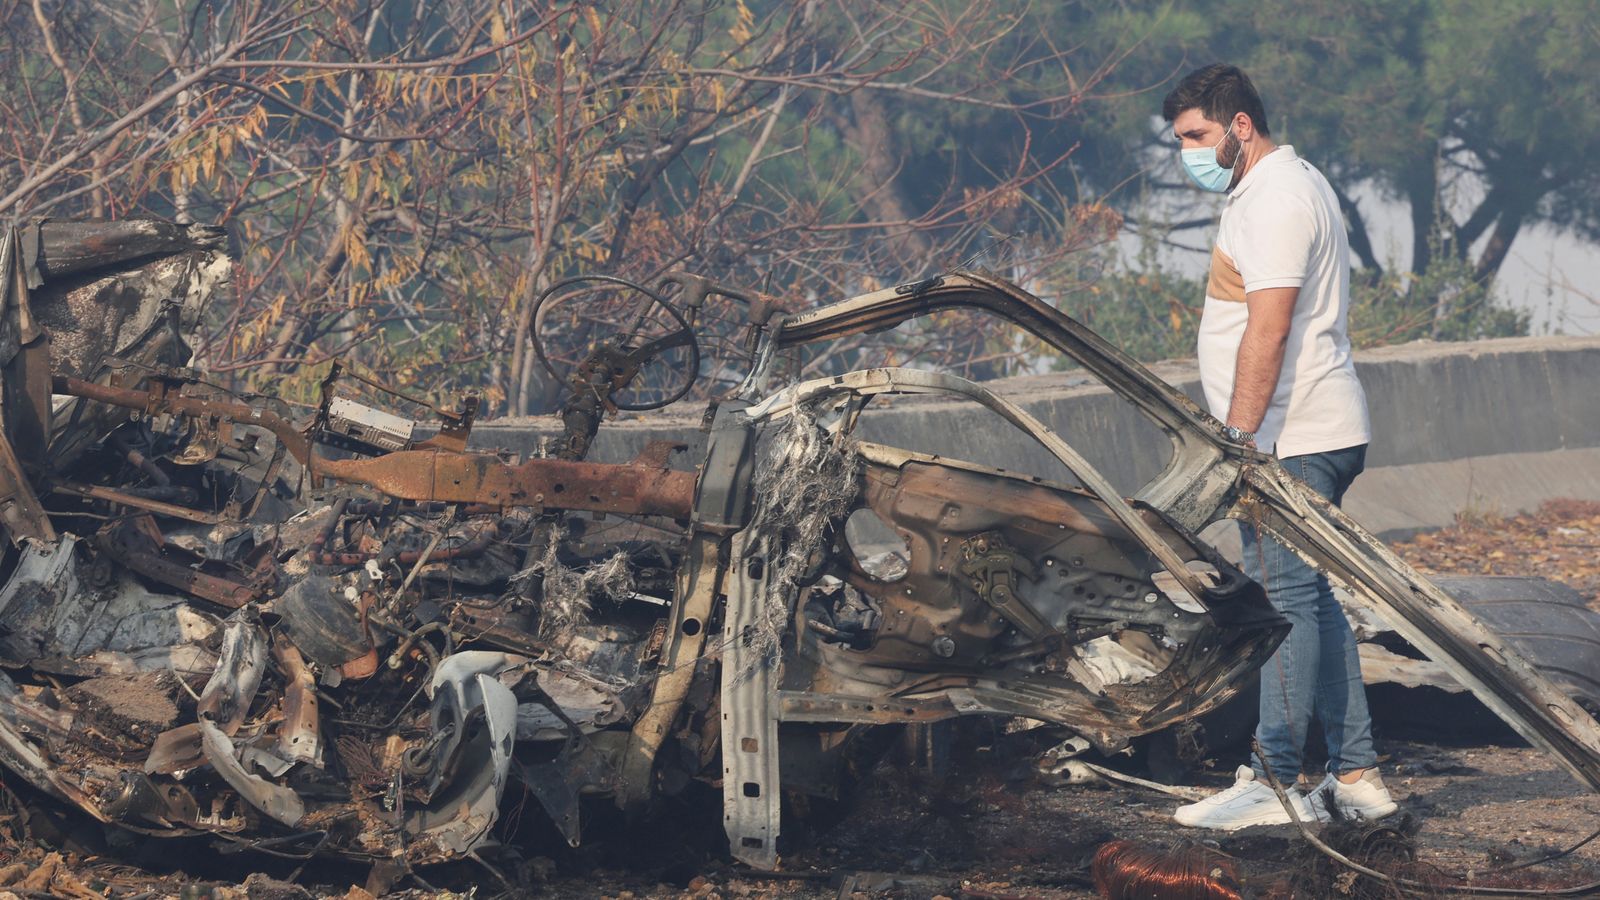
x=988 y=825
x=976 y=835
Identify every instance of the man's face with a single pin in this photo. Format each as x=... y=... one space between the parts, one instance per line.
x=1193 y=130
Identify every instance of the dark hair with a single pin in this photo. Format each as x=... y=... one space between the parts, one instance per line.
x=1220 y=91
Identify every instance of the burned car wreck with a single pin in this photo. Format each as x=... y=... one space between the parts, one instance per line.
x=340 y=636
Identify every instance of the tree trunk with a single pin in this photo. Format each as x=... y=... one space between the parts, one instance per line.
x=1420 y=183
x=868 y=132
x=1360 y=241
x=1494 y=253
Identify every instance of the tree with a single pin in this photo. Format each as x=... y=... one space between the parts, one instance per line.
x=1424 y=98
x=403 y=179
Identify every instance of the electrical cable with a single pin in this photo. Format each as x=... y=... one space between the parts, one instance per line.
x=1544 y=859
x=1408 y=884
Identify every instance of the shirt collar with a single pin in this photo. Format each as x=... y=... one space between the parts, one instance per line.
x=1280 y=154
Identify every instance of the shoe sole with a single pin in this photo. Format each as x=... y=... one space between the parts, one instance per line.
x=1238 y=825
x=1371 y=814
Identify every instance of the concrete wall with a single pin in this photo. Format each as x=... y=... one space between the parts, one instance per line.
x=1492 y=426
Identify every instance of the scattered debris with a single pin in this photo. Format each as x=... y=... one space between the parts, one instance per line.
x=1561 y=535
x=334 y=637
x=1385 y=847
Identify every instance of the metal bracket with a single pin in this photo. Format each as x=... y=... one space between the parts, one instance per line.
x=721 y=502
x=750 y=788
x=698 y=582
x=995 y=570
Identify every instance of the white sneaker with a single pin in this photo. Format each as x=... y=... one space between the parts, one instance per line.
x=1248 y=802
x=1366 y=799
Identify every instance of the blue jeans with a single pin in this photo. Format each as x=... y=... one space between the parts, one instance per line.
x=1316 y=670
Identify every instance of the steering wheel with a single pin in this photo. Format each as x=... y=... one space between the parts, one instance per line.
x=640 y=325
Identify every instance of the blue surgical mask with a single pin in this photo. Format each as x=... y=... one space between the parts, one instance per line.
x=1203 y=168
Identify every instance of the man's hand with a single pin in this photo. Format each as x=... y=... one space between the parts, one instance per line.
x=1260 y=361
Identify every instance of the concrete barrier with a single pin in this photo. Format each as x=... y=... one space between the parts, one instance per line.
x=1488 y=427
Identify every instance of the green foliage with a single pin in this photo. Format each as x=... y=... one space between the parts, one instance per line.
x=1446 y=303
x=1143 y=306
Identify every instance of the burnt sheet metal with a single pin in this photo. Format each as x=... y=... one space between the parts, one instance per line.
x=870 y=382
x=175 y=750
x=751 y=804
x=466 y=773
x=300 y=734
x=559 y=784
x=227 y=696
x=564 y=706
x=277 y=801
x=721 y=503
x=44 y=581
x=956 y=646
x=57 y=622
x=27 y=374
x=24 y=382
x=1209 y=479
x=21 y=514
x=699 y=581
x=253 y=756
x=731 y=634
x=134 y=548
x=1068 y=535
x=59 y=248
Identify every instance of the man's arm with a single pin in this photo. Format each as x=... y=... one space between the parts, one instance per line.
x=1260 y=360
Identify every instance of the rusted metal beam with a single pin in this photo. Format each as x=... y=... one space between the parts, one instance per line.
x=162 y=401
x=131 y=547
x=551 y=483
x=436 y=474
x=121 y=498
x=300 y=734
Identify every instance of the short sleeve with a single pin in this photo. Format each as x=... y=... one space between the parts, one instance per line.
x=1273 y=243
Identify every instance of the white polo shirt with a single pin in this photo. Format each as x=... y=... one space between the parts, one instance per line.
x=1282 y=228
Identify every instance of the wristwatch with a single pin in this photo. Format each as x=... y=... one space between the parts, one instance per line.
x=1238 y=435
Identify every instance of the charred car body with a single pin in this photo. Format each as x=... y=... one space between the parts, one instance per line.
x=336 y=636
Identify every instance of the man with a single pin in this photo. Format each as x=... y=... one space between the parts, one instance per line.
x=1275 y=365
